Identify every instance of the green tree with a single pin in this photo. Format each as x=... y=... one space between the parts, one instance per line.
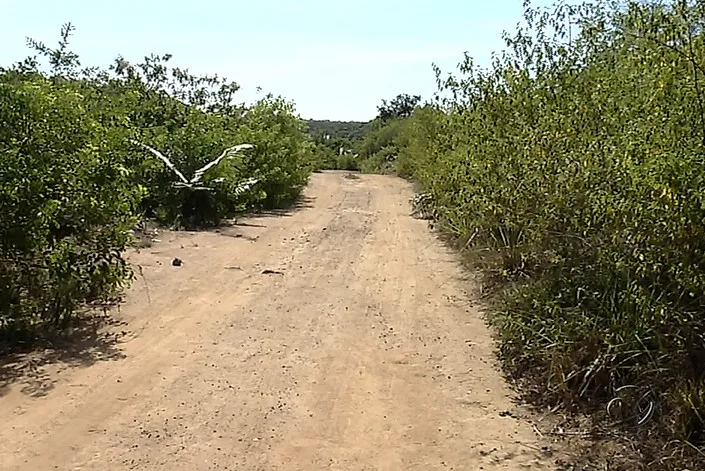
x=402 y=106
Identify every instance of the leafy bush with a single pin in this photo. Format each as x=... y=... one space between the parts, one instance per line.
x=67 y=202
x=347 y=162
x=283 y=158
x=380 y=148
x=76 y=175
x=196 y=130
x=334 y=154
x=574 y=167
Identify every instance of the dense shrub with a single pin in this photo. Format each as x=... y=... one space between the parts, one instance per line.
x=67 y=202
x=574 y=168
x=284 y=157
x=194 y=129
x=76 y=176
x=380 y=148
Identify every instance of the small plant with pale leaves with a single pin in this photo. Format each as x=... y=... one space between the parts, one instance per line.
x=198 y=175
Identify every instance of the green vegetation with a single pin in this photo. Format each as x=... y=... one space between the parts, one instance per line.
x=370 y=147
x=335 y=141
x=76 y=176
x=402 y=106
x=350 y=131
x=380 y=148
x=377 y=149
x=573 y=170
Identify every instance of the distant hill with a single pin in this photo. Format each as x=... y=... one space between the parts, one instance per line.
x=350 y=130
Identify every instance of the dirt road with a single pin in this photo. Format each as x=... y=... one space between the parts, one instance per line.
x=334 y=336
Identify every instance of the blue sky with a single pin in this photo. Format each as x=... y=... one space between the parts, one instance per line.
x=334 y=59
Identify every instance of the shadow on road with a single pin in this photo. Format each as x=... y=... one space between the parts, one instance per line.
x=302 y=203
x=94 y=337
x=249 y=220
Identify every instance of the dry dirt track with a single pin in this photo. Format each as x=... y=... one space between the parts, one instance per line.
x=363 y=353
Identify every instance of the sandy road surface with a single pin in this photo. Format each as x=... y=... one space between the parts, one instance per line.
x=361 y=353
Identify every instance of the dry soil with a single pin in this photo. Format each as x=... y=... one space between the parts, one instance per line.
x=336 y=335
